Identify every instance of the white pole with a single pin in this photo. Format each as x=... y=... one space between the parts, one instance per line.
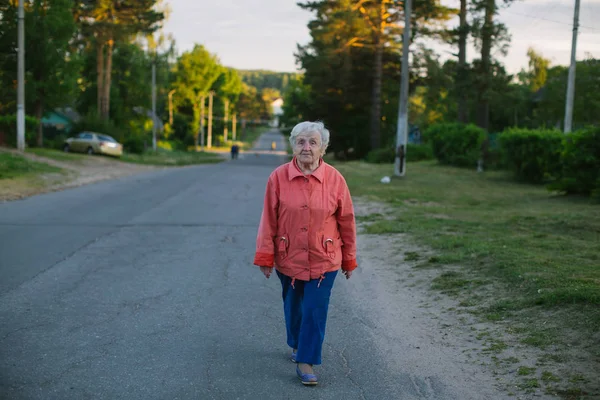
x=154 y=105
x=402 y=127
x=203 y=106
x=210 y=108
x=571 y=82
x=21 y=80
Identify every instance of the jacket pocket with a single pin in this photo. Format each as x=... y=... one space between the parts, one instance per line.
x=283 y=243
x=330 y=246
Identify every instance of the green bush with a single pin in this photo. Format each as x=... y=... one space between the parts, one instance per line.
x=56 y=143
x=533 y=155
x=135 y=144
x=455 y=144
x=384 y=155
x=387 y=155
x=8 y=130
x=580 y=161
x=419 y=152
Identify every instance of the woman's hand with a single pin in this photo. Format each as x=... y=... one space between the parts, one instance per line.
x=347 y=273
x=266 y=271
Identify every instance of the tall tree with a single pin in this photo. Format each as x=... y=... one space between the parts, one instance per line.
x=535 y=77
x=489 y=34
x=228 y=88
x=51 y=65
x=195 y=73
x=344 y=33
x=107 y=21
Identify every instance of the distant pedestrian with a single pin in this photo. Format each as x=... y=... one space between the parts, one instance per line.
x=235 y=149
x=308 y=233
x=273 y=146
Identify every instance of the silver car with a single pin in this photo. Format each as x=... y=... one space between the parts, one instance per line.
x=93 y=143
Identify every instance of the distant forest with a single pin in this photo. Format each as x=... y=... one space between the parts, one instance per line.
x=262 y=79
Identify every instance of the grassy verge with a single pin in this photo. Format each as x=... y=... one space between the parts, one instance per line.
x=172 y=158
x=21 y=177
x=57 y=154
x=13 y=166
x=528 y=261
x=161 y=157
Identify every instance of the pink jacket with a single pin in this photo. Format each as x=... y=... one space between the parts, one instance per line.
x=307 y=226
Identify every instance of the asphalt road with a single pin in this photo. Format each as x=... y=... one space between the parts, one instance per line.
x=143 y=288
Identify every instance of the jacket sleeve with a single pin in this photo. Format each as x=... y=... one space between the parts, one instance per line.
x=347 y=227
x=267 y=229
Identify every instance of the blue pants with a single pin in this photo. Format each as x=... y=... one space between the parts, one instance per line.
x=305 y=308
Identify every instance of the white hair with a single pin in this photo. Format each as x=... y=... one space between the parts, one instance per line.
x=311 y=127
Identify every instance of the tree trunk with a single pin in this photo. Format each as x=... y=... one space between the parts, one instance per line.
x=39 y=113
x=462 y=73
x=100 y=73
x=376 y=95
x=483 y=114
x=107 y=79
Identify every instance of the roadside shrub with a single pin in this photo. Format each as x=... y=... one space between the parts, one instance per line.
x=57 y=142
x=419 y=152
x=8 y=130
x=384 y=155
x=532 y=155
x=455 y=144
x=134 y=144
x=387 y=155
x=580 y=161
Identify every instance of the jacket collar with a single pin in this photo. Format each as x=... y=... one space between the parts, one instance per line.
x=294 y=170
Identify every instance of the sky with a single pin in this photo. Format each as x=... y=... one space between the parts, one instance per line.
x=263 y=34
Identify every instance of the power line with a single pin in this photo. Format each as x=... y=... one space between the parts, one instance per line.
x=549 y=20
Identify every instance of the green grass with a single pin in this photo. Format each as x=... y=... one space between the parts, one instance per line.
x=549 y=377
x=530 y=385
x=57 y=154
x=524 y=371
x=544 y=249
x=172 y=158
x=161 y=157
x=14 y=166
x=518 y=256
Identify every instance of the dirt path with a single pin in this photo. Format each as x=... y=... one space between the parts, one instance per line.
x=75 y=173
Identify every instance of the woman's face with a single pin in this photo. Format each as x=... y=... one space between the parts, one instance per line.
x=308 y=147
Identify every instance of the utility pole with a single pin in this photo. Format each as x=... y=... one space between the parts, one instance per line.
x=226 y=120
x=571 y=82
x=21 y=80
x=154 y=104
x=202 y=107
x=233 y=126
x=171 y=107
x=402 y=128
x=210 y=109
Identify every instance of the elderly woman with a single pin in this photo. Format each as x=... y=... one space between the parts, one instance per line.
x=307 y=232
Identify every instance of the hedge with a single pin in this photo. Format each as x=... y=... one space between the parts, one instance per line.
x=532 y=155
x=455 y=143
x=580 y=161
x=8 y=130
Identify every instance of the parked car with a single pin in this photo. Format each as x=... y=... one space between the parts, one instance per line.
x=93 y=143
